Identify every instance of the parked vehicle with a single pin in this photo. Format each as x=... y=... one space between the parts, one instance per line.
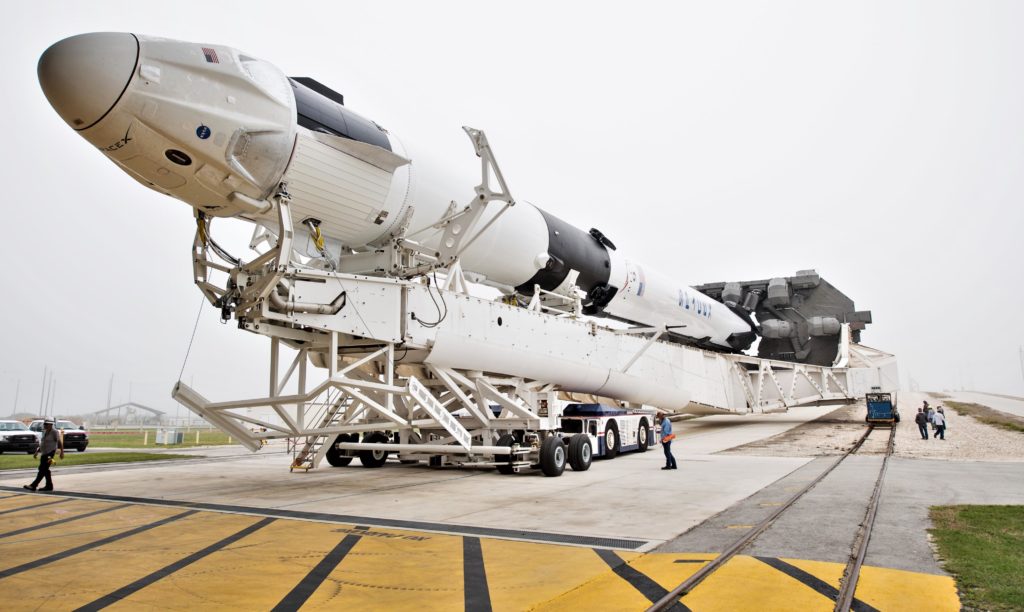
x=15 y=436
x=74 y=436
x=612 y=430
x=881 y=408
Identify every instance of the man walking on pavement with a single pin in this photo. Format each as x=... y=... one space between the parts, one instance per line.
x=48 y=446
x=922 y=423
x=666 y=441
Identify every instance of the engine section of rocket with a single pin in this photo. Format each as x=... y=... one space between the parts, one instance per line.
x=220 y=130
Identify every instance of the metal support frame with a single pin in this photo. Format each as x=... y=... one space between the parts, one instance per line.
x=433 y=411
x=771 y=386
x=441 y=414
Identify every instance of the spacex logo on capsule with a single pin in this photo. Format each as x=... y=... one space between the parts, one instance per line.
x=120 y=143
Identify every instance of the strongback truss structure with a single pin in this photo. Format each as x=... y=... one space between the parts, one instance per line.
x=448 y=374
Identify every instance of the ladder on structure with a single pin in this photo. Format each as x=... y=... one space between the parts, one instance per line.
x=312 y=452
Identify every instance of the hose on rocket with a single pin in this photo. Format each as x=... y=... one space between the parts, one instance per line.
x=441 y=315
x=203 y=228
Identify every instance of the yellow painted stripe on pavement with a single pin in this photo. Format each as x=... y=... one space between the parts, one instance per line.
x=605 y=591
x=890 y=589
x=87 y=576
x=743 y=583
x=393 y=570
x=524 y=574
x=45 y=514
x=22 y=501
x=33 y=545
x=254 y=573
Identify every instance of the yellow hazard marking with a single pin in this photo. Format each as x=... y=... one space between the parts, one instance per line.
x=87 y=576
x=521 y=575
x=253 y=573
x=739 y=526
x=394 y=570
x=770 y=504
x=387 y=568
x=889 y=589
x=22 y=548
x=744 y=583
x=20 y=501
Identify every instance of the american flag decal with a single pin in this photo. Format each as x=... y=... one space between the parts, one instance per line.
x=211 y=55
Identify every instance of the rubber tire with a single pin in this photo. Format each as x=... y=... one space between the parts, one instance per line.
x=643 y=435
x=336 y=457
x=612 y=451
x=897 y=417
x=373 y=459
x=506 y=440
x=552 y=456
x=581 y=454
x=81 y=449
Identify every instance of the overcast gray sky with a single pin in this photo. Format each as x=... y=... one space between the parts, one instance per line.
x=881 y=143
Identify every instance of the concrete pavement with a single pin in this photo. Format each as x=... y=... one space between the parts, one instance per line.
x=660 y=525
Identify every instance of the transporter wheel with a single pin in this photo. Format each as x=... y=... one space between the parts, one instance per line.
x=580 y=453
x=612 y=443
x=340 y=458
x=374 y=458
x=552 y=456
x=81 y=449
x=643 y=435
x=506 y=440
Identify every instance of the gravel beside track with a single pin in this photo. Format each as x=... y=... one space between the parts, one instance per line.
x=967 y=439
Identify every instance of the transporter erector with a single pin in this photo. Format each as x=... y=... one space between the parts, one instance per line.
x=355 y=230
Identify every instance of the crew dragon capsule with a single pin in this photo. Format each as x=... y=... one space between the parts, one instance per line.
x=220 y=130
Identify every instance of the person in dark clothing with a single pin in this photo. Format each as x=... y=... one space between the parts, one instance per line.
x=922 y=423
x=666 y=442
x=50 y=443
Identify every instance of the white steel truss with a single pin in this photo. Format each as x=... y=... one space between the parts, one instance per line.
x=483 y=371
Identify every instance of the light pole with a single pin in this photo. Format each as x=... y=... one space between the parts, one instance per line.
x=17 y=391
x=42 y=392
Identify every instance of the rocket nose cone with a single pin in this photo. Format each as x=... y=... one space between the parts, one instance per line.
x=84 y=76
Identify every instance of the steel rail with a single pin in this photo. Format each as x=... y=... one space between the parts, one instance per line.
x=687 y=585
x=860 y=548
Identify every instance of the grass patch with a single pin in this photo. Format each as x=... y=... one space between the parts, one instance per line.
x=139 y=439
x=989 y=416
x=937 y=395
x=15 y=462
x=983 y=547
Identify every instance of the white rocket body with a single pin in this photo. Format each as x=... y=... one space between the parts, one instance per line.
x=219 y=130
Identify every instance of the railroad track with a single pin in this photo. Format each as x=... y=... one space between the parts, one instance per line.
x=851 y=574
